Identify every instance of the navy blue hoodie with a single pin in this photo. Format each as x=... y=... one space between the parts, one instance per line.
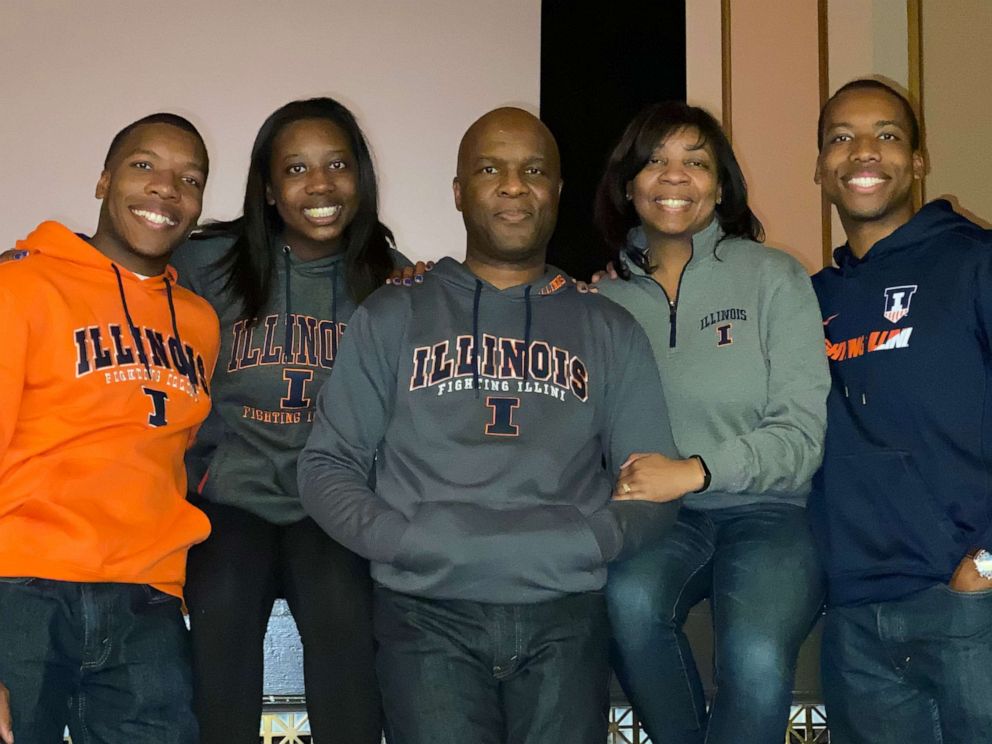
x=905 y=490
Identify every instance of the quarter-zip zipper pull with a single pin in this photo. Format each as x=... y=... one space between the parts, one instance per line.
x=672 y=312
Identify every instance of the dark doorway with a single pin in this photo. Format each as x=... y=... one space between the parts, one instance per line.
x=601 y=62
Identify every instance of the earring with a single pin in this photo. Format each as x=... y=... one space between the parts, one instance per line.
x=629 y=197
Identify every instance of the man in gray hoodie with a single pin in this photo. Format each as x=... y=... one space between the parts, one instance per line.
x=488 y=401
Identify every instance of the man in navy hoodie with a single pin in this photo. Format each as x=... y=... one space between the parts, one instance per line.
x=902 y=507
x=487 y=401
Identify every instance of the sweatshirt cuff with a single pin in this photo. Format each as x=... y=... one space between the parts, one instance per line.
x=641 y=523
x=385 y=536
x=727 y=474
x=985 y=541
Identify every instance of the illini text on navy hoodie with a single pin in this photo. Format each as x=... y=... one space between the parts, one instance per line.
x=488 y=415
x=906 y=490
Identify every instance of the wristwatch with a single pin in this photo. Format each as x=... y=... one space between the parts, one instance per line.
x=983 y=563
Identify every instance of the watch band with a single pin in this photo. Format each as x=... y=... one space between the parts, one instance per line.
x=707 y=475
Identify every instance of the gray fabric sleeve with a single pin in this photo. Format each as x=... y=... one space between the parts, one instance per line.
x=637 y=421
x=353 y=410
x=784 y=450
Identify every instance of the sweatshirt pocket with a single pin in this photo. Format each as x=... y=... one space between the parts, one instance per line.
x=877 y=516
x=458 y=549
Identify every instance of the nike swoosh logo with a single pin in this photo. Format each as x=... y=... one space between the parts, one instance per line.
x=826 y=322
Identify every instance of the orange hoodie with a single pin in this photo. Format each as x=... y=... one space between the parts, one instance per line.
x=98 y=403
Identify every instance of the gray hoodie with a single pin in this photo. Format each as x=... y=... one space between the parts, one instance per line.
x=245 y=454
x=489 y=415
x=742 y=364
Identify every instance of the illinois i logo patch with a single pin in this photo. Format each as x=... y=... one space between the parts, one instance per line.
x=897 y=301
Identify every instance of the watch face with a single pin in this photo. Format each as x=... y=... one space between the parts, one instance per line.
x=983 y=562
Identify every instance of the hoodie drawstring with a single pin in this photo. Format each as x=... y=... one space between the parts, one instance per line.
x=527 y=334
x=287 y=353
x=187 y=358
x=334 y=303
x=475 y=336
x=135 y=335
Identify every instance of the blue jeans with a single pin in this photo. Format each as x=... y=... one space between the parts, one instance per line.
x=111 y=661
x=917 y=669
x=455 y=671
x=758 y=566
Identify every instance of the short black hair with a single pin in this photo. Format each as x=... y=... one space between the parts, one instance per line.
x=174 y=120
x=873 y=84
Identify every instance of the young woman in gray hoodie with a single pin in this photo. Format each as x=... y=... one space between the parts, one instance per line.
x=736 y=334
x=284 y=279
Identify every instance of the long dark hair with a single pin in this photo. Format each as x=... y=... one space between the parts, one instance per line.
x=614 y=215
x=250 y=263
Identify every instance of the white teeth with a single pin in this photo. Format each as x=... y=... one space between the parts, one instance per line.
x=865 y=182
x=158 y=219
x=322 y=212
x=674 y=203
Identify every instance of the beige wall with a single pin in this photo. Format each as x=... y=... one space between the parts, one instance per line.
x=416 y=72
x=703 y=55
x=775 y=102
x=957 y=79
x=865 y=38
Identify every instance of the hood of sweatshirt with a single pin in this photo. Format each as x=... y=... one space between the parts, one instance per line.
x=56 y=241
x=932 y=221
x=456 y=274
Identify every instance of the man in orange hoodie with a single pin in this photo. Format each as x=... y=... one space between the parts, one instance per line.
x=104 y=378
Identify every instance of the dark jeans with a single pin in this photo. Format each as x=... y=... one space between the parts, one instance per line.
x=758 y=566
x=232 y=581
x=455 y=671
x=111 y=661
x=917 y=669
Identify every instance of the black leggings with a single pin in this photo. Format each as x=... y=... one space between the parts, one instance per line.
x=233 y=579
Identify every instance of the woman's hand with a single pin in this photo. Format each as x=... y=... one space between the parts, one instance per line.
x=649 y=476
x=408 y=275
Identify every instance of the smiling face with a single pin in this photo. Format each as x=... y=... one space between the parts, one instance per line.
x=313 y=184
x=507 y=188
x=152 y=193
x=676 y=192
x=867 y=164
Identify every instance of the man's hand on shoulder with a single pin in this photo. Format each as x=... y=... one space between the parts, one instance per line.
x=610 y=272
x=6 y=724
x=967 y=579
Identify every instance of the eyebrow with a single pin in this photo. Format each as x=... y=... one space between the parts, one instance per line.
x=151 y=153
x=879 y=123
x=290 y=155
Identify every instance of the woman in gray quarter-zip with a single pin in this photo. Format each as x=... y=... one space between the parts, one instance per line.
x=736 y=334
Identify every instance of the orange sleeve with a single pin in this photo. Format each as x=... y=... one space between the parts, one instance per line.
x=14 y=345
